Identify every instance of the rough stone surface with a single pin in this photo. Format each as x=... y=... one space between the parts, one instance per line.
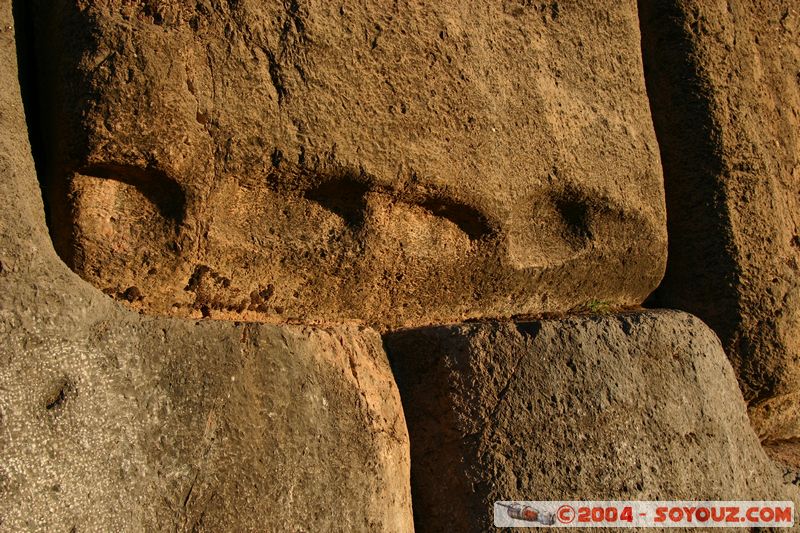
x=396 y=163
x=639 y=406
x=724 y=82
x=114 y=422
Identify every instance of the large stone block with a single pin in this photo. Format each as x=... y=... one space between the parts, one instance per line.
x=639 y=406
x=398 y=164
x=164 y=425
x=114 y=422
x=725 y=92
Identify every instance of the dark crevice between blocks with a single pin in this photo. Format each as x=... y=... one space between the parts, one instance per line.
x=703 y=275
x=701 y=272
x=22 y=11
x=51 y=39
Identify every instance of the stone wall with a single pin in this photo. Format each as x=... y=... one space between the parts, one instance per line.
x=278 y=199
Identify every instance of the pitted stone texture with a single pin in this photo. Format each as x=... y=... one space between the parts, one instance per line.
x=114 y=422
x=640 y=406
x=725 y=91
x=397 y=163
x=158 y=424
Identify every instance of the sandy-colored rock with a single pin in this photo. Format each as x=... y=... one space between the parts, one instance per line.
x=393 y=163
x=110 y=421
x=639 y=406
x=724 y=81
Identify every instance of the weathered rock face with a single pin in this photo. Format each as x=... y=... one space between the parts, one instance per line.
x=114 y=422
x=161 y=424
x=395 y=164
x=724 y=86
x=637 y=406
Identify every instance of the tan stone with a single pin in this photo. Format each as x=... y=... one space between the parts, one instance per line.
x=110 y=421
x=724 y=84
x=397 y=164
